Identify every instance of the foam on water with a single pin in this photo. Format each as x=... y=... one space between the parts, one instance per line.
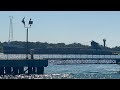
x=83 y=75
x=35 y=76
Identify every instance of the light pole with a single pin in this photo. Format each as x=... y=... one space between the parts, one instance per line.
x=30 y=23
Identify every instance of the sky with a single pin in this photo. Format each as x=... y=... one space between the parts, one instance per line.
x=63 y=26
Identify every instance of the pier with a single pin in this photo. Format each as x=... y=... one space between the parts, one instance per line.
x=18 y=64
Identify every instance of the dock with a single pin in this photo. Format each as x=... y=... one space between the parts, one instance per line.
x=15 y=64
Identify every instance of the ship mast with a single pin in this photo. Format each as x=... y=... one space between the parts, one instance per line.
x=10 y=29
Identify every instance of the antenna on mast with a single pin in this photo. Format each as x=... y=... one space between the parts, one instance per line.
x=10 y=29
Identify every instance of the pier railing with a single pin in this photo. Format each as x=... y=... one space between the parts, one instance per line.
x=57 y=56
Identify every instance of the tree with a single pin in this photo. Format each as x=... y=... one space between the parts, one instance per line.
x=1 y=48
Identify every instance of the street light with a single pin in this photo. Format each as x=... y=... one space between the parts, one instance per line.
x=30 y=23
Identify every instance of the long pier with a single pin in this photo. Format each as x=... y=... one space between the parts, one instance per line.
x=18 y=64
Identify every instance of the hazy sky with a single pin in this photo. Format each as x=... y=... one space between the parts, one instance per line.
x=63 y=26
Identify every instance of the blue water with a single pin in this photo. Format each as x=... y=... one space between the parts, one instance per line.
x=78 y=71
x=83 y=71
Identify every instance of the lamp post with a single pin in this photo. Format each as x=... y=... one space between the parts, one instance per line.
x=30 y=23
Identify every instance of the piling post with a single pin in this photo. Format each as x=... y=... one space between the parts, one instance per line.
x=1 y=70
x=15 y=70
x=21 y=70
x=40 y=70
x=7 y=70
x=34 y=70
x=30 y=70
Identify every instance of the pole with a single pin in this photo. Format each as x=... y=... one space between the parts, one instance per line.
x=27 y=44
x=30 y=22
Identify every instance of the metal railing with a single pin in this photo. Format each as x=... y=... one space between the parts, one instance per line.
x=21 y=55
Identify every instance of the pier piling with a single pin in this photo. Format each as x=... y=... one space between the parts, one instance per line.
x=1 y=70
x=7 y=70
x=30 y=70
x=14 y=67
x=40 y=70
x=15 y=70
x=34 y=70
x=21 y=70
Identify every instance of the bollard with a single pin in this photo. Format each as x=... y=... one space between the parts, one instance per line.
x=31 y=53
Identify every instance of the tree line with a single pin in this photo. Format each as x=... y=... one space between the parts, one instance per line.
x=62 y=48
